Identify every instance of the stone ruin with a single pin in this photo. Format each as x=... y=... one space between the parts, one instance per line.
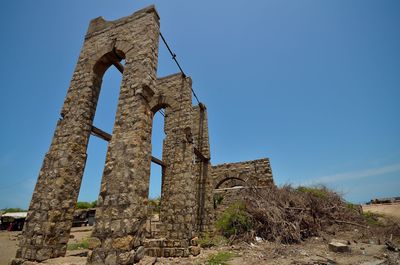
x=188 y=179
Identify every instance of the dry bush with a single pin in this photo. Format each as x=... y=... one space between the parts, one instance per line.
x=290 y=215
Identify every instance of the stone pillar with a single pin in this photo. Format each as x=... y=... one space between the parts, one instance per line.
x=202 y=170
x=122 y=203
x=178 y=190
x=124 y=191
x=47 y=226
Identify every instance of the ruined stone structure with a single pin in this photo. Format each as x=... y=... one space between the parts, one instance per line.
x=230 y=180
x=188 y=179
x=249 y=173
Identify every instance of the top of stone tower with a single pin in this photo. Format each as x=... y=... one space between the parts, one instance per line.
x=99 y=24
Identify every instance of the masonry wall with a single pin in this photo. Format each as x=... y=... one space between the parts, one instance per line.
x=230 y=182
x=177 y=194
x=248 y=173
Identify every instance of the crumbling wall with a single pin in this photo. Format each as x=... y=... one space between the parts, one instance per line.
x=248 y=173
x=231 y=179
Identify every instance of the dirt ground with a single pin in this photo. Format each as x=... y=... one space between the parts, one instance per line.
x=8 y=246
x=386 y=209
x=365 y=250
x=9 y=242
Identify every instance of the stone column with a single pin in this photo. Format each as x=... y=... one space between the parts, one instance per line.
x=122 y=203
x=178 y=190
x=47 y=226
x=202 y=170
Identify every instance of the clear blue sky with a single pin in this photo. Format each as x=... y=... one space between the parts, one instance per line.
x=313 y=85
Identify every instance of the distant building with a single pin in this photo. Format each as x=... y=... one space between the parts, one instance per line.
x=12 y=221
x=84 y=217
x=15 y=221
x=385 y=200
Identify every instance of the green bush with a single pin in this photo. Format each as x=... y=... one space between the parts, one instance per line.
x=372 y=219
x=351 y=206
x=234 y=220
x=205 y=241
x=93 y=204
x=319 y=192
x=81 y=245
x=155 y=205
x=220 y=258
x=86 y=205
x=12 y=210
x=218 y=198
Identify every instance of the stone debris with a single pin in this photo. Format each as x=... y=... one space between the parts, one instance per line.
x=391 y=246
x=338 y=247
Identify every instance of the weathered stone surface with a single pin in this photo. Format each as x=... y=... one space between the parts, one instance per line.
x=77 y=253
x=43 y=254
x=30 y=263
x=338 y=247
x=111 y=259
x=147 y=261
x=126 y=257
x=140 y=252
x=16 y=261
x=249 y=173
x=123 y=243
x=93 y=242
x=194 y=250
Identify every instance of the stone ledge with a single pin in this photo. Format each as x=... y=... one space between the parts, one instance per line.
x=241 y=162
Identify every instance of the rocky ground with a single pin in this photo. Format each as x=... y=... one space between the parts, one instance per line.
x=363 y=249
x=366 y=247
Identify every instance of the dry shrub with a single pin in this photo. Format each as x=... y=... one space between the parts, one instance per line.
x=382 y=226
x=289 y=215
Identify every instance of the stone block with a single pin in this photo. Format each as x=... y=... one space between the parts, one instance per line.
x=140 y=252
x=194 y=250
x=194 y=241
x=123 y=243
x=168 y=252
x=43 y=254
x=150 y=252
x=125 y=258
x=93 y=242
x=111 y=259
x=338 y=247
x=169 y=243
x=17 y=261
x=177 y=243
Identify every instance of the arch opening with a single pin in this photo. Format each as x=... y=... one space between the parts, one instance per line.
x=157 y=141
x=156 y=174
x=230 y=182
x=111 y=58
x=106 y=88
